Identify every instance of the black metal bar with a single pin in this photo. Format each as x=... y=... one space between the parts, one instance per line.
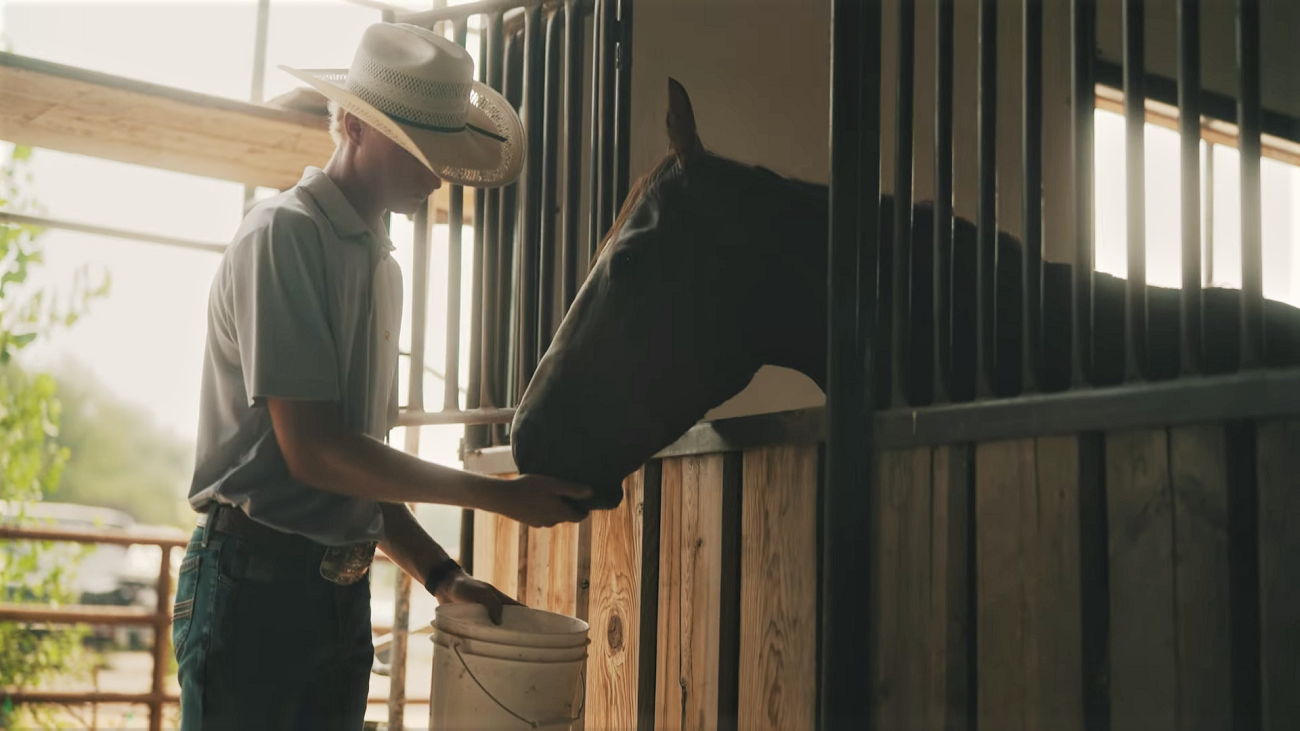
x=844 y=606
x=1083 y=27
x=507 y=240
x=1135 y=211
x=987 y=205
x=455 y=234
x=731 y=549
x=487 y=203
x=476 y=436
x=1242 y=457
x=608 y=40
x=902 y=238
x=596 y=148
x=622 y=105
x=1209 y=214
x=495 y=357
x=943 y=253
x=466 y=559
x=573 y=46
x=1031 y=160
x=1189 y=128
x=1248 y=129
x=648 y=621
x=549 y=258
x=529 y=246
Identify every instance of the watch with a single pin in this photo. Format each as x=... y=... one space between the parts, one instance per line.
x=440 y=572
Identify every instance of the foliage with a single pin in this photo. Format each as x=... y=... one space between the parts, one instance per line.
x=31 y=460
x=122 y=458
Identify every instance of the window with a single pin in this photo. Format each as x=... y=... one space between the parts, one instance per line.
x=1220 y=204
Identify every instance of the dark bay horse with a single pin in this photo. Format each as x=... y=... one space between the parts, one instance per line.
x=714 y=268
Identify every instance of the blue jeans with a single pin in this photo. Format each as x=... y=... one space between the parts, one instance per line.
x=264 y=642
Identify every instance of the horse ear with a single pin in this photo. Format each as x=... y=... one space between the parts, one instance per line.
x=682 y=138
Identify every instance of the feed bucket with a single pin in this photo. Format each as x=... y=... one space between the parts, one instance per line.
x=526 y=673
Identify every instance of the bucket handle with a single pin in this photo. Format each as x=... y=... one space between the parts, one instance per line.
x=532 y=724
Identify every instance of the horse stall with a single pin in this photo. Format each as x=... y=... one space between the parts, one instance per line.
x=1035 y=494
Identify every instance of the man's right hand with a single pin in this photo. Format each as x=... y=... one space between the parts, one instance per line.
x=540 y=501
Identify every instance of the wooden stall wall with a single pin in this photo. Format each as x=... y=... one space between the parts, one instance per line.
x=1138 y=579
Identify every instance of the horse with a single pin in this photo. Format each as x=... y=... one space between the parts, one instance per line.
x=714 y=268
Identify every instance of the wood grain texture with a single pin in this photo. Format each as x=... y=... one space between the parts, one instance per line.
x=1029 y=620
x=902 y=674
x=551 y=580
x=778 y=589
x=614 y=611
x=1199 y=479
x=496 y=551
x=690 y=581
x=1143 y=667
x=1279 y=571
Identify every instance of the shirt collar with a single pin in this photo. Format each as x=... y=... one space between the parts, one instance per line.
x=338 y=210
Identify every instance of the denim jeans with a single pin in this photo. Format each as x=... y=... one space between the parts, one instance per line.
x=264 y=642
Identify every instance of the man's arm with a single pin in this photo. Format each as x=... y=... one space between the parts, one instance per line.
x=320 y=452
x=416 y=553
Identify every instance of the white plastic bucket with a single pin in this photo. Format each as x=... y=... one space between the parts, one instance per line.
x=526 y=673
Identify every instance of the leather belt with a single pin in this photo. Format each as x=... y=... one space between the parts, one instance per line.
x=233 y=521
x=342 y=565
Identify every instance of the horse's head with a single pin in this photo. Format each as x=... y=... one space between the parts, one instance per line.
x=694 y=288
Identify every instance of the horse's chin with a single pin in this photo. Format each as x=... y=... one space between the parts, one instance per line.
x=605 y=496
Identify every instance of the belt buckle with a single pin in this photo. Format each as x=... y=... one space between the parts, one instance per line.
x=346 y=565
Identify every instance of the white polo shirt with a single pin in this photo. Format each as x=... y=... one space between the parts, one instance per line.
x=306 y=304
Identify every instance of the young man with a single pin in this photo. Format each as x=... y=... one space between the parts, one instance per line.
x=293 y=483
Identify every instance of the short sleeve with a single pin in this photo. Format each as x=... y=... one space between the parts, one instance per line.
x=280 y=312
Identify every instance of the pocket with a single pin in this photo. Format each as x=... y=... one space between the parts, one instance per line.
x=187 y=582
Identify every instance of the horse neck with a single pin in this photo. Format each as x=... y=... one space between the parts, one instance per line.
x=795 y=327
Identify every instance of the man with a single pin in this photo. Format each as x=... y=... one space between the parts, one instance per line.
x=293 y=483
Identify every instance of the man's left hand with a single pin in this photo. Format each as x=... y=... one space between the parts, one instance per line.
x=460 y=588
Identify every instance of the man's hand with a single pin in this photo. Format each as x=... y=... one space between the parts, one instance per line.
x=539 y=501
x=459 y=587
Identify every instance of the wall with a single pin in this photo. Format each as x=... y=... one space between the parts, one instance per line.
x=758 y=76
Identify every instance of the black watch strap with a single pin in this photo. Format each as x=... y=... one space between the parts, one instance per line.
x=440 y=571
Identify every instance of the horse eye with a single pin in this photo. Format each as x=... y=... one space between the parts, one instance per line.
x=623 y=264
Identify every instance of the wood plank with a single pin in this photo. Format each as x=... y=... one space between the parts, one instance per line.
x=552 y=560
x=59 y=107
x=496 y=551
x=1279 y=571
x=1056 y=602
x=1143 y=643
x=690 y=584
x=903 y=581
x=1004 y=477
x=1029 y=619
x=778 y=616
x=615 y=610
x=1199 y=477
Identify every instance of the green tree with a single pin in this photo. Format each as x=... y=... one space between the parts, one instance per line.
x=31 y=459
x=121 y=457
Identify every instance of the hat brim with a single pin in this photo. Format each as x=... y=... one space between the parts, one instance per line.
x=488 y=153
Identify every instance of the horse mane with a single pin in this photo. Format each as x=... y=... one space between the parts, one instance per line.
x=634 y=196
x=806 y=191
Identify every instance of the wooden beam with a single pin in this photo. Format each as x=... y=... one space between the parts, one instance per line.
x=76 y=110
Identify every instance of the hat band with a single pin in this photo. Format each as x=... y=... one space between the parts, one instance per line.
x=445 y=130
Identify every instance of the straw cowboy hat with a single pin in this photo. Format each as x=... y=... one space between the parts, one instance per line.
x=418 y=89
